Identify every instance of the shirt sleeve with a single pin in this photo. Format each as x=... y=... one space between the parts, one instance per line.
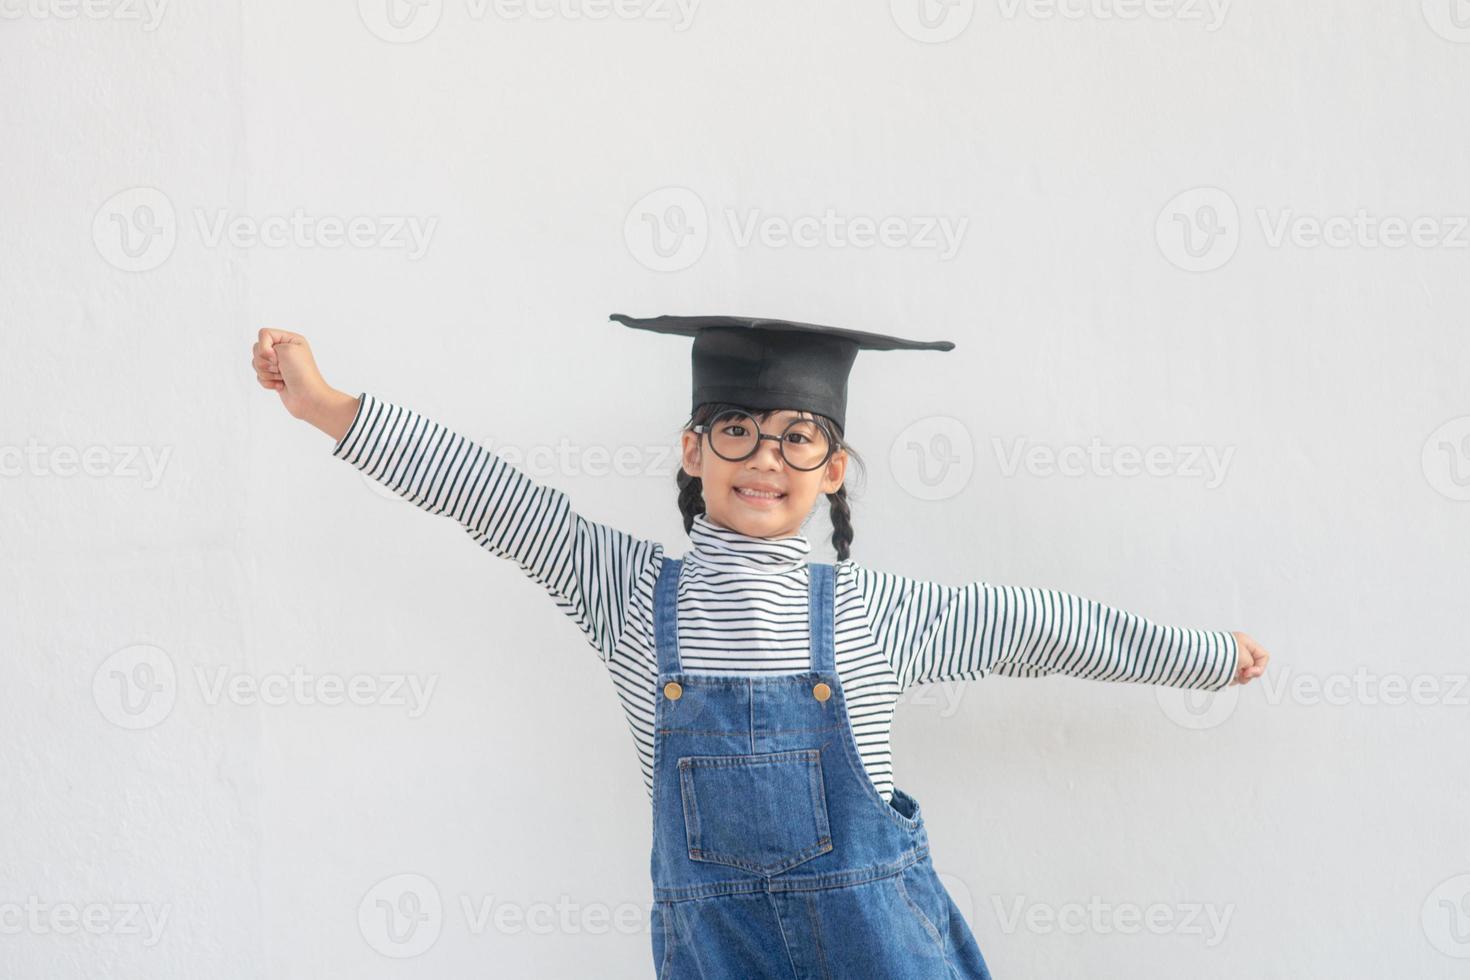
x=590 y=570
x=932 y=632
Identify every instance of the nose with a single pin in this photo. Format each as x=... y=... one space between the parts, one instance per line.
x=767 y=455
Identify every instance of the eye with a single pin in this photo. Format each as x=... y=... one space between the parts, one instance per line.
x=798 y=437
x=734 y=429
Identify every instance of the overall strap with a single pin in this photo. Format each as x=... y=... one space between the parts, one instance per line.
x=665 y=615
x=821 y=617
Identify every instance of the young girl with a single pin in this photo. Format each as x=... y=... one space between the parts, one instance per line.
x=760 y=686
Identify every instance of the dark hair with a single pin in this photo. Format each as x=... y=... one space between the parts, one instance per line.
x=691 y=488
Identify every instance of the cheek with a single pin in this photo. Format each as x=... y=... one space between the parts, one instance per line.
x=804 y=490
x=716 y=477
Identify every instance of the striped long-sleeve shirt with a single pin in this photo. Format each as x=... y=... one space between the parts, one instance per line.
x=742 y=600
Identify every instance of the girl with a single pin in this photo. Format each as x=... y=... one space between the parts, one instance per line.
x=760 y=686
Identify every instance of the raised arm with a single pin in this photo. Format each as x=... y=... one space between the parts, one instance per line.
x=932 y=632
x=589 y=569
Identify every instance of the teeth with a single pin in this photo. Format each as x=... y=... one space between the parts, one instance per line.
x=757 y=493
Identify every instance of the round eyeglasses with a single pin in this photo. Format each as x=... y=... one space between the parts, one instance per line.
x=734 y=436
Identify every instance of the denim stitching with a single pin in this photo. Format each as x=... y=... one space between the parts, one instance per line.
x=691 y=763
x=785 y=943
x=691 y=812
x=822 y=882
x=732 y=734
x=666 y=912
x=690 y=798
x=816 y=921
x=698 y=678
x=929 y=927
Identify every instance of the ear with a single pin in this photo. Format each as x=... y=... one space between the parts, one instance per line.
x=835 y=472
x=691 y=452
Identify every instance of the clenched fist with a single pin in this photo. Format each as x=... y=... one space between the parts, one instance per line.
x=1251 y=662
x=284 y=364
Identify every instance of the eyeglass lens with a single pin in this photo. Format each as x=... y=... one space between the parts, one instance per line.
x=804 y=442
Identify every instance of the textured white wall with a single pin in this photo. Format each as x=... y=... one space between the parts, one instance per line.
x=1131 y=191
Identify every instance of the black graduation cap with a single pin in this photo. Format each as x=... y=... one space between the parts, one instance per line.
x=778 y=364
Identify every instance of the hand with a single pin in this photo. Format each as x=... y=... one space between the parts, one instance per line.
x=1252 y=658
x=283 y=363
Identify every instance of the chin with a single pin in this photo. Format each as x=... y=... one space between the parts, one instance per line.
x=755 y=522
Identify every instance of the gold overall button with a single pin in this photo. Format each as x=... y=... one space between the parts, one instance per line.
x=821 y=692
x=673 y=691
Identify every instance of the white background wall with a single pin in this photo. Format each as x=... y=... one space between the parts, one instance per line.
x=1074 y=147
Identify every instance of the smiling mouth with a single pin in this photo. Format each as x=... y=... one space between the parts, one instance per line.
x=758 y=495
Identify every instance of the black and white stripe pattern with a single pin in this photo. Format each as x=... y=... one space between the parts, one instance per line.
x=742 y=600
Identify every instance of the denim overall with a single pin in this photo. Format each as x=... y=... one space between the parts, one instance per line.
x=773 y=854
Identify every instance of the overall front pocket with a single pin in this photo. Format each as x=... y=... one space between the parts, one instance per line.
x=763 y=813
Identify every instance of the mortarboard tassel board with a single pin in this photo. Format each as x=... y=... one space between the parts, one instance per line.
x=774 y=364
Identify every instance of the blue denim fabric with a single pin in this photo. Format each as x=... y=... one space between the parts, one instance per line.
x=773 y=854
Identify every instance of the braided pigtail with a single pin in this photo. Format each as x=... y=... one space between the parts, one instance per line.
x=841 y=513
x=691 y=498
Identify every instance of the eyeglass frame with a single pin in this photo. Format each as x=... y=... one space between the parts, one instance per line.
x=704 y=429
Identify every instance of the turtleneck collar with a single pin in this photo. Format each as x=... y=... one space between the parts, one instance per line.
x=725 y=549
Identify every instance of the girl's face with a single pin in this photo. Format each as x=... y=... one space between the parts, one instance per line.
x=724 y=482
